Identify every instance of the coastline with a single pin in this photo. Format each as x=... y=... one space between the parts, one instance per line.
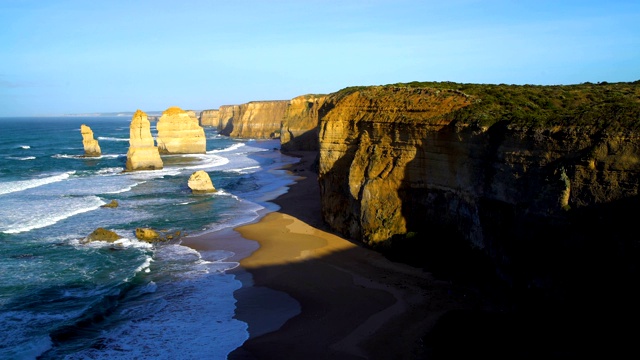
x=309 y=293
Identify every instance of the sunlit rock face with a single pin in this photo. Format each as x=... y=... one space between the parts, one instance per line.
x=210 y=117
x=299 y=129
x=180 y=133
x=253 y=120
x=91 y=146
x=200 y=182
x=142 y=153
x=543 y=202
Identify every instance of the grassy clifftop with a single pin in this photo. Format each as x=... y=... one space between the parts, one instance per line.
x=611 y=106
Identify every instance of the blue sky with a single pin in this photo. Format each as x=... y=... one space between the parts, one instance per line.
x=68 y=57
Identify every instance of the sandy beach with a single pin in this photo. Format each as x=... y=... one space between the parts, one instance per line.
x=309 y=293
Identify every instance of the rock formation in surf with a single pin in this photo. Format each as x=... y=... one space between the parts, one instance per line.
x=91 y=146
x=200 y=182
x=102 y=234
x=142 y=154
x=180 y=133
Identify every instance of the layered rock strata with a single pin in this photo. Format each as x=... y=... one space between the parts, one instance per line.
x=210 y=117
x=543 y=198
x=299 y=130
x=142 y=153
x=180 y=133
x=91 y=146
x=256 y=119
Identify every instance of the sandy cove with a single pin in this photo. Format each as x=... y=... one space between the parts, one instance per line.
x=353 y=302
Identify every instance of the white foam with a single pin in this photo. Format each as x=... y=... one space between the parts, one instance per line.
x=16 y=220
x=107 y=138
x=15 y=186
x=173 y=325
x=21 y=158
x=245 y=170
x=25 y=147
x=230 y=148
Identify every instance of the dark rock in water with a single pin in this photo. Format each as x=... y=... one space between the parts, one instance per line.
x=112 y=204
x=148 y=235
x=102 y=234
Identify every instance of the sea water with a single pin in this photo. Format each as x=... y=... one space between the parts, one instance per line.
x=62 y=298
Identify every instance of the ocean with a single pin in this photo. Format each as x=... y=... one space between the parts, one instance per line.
x=62 y=298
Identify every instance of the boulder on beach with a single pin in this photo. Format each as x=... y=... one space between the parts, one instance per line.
x=200 y=182
x=91 y=146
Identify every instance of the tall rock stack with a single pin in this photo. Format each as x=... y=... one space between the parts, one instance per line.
x=91 y=146
x=142 y=154
x=180 y=133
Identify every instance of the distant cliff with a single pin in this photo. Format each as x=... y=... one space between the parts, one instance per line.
x=255 y=119
x=544 y=180
x=210 y=117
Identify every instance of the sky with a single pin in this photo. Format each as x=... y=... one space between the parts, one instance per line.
x=76 y=56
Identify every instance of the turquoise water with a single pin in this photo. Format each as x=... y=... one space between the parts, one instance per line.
x=61 y=298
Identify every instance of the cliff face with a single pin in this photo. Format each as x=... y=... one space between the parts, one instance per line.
x=299 y=130
x=227 y=113
x=258 y=120
x=543 y=201
x=210 y=117
x=180 y=133
x=91 y=146
x=142 y=153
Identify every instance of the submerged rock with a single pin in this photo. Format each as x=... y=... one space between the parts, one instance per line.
x=91 y=146
x=200 y=182
x=142 y=154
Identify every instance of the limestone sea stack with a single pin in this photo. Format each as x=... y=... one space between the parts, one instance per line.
x=91 y=146
x=142 y=154
x=200 y=182
x=180 y=133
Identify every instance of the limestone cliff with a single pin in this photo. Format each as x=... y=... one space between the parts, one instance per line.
x=543 y=180
x=226 y=115
x=142 y=153
x=91 y=146
x=210 y=117
x=299 y=130
x=256 y=119
x=180 y=133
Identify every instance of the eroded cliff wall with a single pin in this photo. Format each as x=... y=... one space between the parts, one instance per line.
x=544 y=198
x=210 y=117
x=258 y=119
x=299 y=130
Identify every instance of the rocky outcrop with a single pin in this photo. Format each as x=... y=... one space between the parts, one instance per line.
x=102 y=234
x=544 y=197
x=112 y=204
x=91 y=146
x=210 y=117
x=200 y=182
x=180 y=133
x=142 y=153
x=299 y=130
x=256 y=119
